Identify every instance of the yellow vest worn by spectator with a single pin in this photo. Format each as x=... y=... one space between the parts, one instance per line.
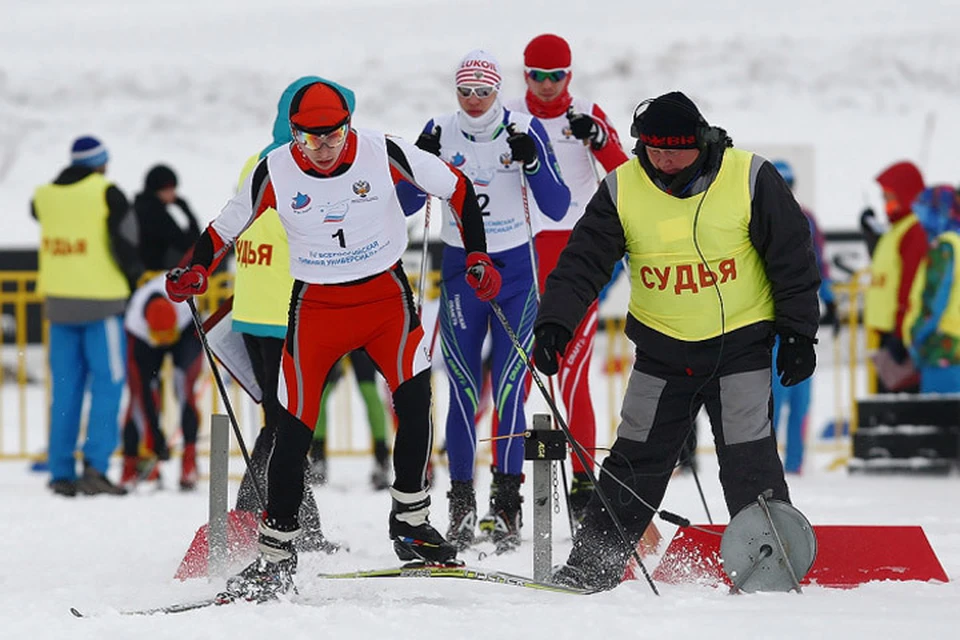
x=672 y=291
x=75 y=256
x=950 y=320
x=886 y=268
x=263 y=283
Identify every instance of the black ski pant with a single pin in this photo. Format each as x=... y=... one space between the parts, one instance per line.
x=144 y=362
x=264 y=353
x=411 y=450
x=659 y=409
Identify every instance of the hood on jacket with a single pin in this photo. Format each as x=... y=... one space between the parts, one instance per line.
x=938 y=210
x=904 y=180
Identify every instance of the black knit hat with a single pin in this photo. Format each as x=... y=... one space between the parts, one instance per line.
x=160 y=177
x=670 y=121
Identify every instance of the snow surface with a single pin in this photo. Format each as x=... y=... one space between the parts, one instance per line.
x=104 y=554
x=194 y=83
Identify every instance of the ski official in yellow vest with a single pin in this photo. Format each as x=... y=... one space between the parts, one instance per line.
x=896 y=257
x=88 y=260
x=721 y=261
x=263 y=281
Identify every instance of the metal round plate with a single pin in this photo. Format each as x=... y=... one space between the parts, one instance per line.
x=751 y=556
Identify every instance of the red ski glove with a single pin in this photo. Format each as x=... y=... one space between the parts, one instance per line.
x=483 y=276
x=183 y=283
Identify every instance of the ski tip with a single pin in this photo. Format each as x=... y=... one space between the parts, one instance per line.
x=76 y=613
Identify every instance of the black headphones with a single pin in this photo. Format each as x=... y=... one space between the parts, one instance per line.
x=706 y=135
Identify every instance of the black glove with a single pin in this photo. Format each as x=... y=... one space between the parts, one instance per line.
x=550 y=341
x=584 y=127
x=895 y=346
x=872 y=229
x=430 y=142
x=523 y=149
x=869 y=222
x=831 y=318
x=796 y=359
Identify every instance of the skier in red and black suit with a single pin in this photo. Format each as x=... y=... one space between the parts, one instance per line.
x=336 y=191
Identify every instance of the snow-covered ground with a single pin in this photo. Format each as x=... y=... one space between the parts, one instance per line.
x=194 y=83
x=107 y=554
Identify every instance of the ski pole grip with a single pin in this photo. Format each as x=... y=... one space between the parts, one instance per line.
x=673 y=518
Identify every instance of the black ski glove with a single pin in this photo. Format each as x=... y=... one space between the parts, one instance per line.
x=523 y=148
x=584 y=127
x=796 y=359
x=550 y=341
x=430 y=142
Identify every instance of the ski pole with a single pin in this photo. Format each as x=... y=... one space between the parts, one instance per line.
x=423 y=258
x=511 y=129
x=226 y=400
x=573 y=443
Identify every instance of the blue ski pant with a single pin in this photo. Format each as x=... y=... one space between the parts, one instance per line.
x=94 y=354
x=464 y=324
x=796 y=401
x=940 y=379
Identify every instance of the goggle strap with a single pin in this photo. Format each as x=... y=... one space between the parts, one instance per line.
x=322 y=131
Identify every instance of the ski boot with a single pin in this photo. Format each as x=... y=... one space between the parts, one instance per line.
x=317 y=471
x=188 y=468
x=93 y=482
x=599 y=556
x=380 y=478
x=462 y=503
x=271 y=574
x=67 y=488
x=129 y=477
x=414 y=538
x=581 y=490
x=502 y=523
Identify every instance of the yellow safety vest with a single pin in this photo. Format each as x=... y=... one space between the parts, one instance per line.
x=263 y=283
x=886 y=269
x=914 y=301
x=671 y=290
x=950 y=319
x=75 y=257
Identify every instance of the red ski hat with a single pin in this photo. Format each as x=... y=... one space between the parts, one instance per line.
x=161 y=320
x=319 y=108
x=547 y=51
x=905 y=181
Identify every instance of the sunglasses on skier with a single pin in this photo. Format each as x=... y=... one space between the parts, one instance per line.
x=553 y=75
x=483 y=91
x=313 y=141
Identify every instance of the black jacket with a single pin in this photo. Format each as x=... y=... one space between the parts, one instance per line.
x=121 y=226
x=778 y=230
x=163 y=242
